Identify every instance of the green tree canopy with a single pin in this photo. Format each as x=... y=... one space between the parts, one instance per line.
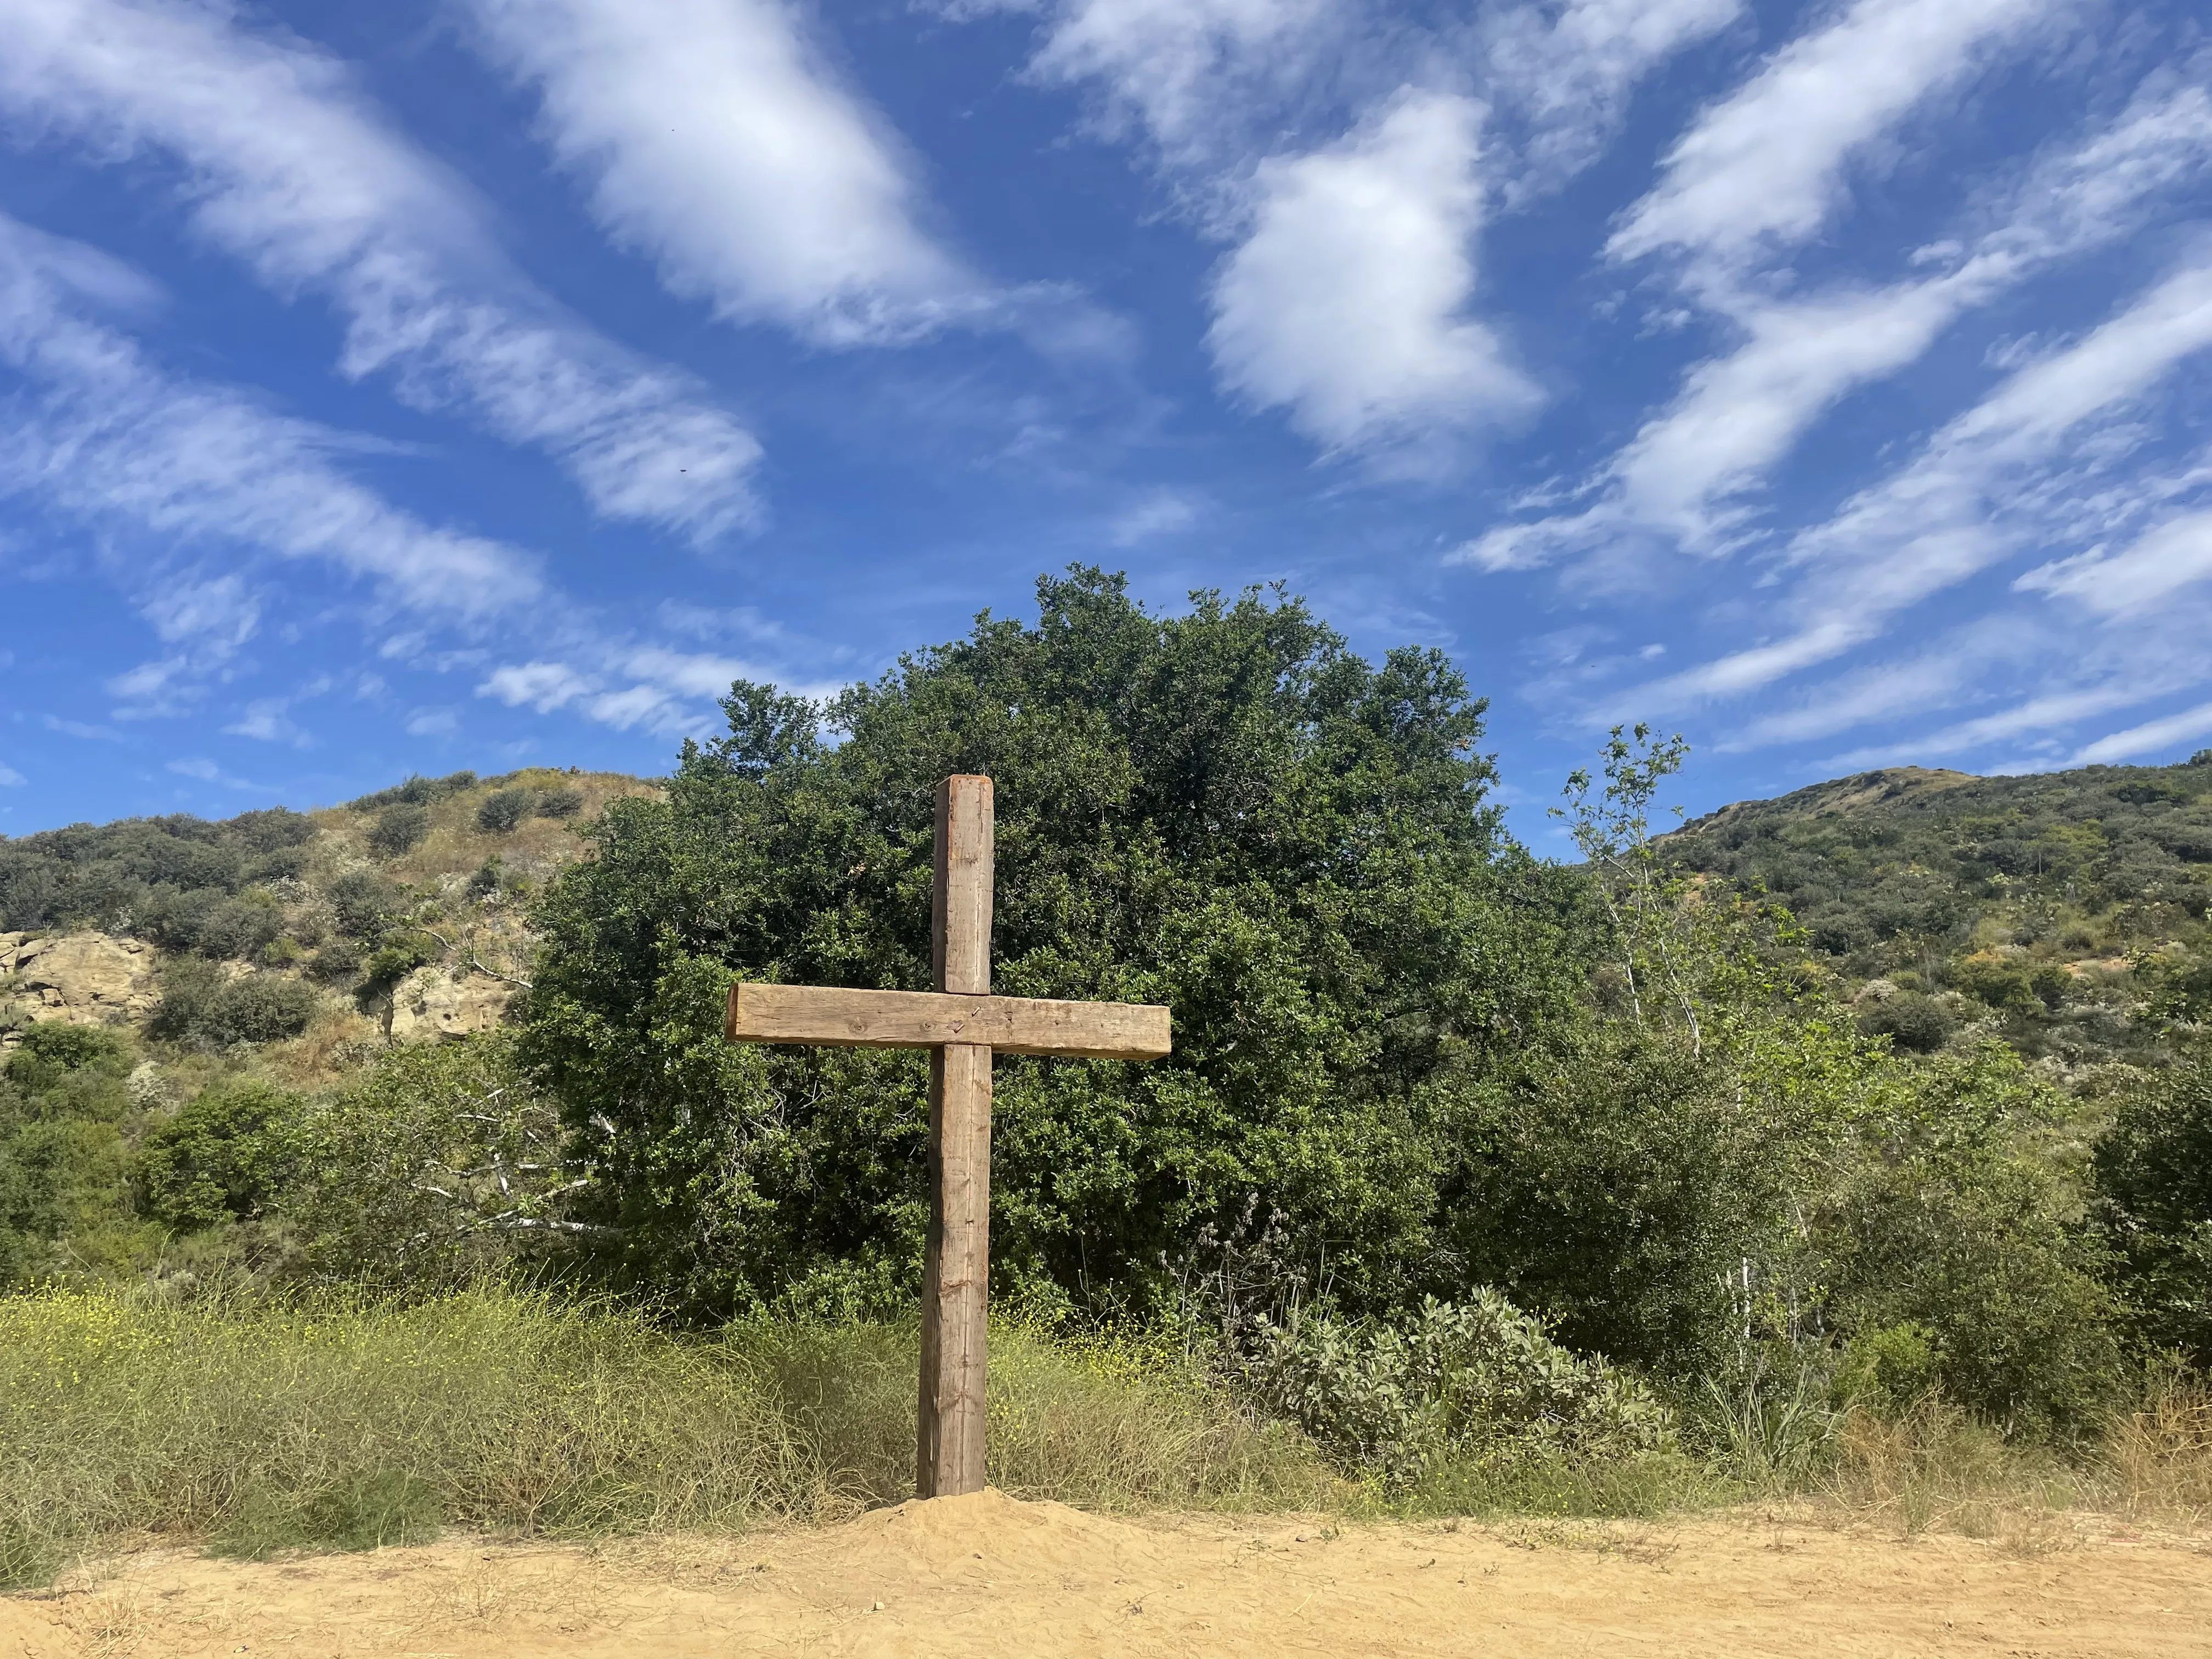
x=1227 y=811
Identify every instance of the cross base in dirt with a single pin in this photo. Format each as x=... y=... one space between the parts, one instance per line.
x=962 y=1024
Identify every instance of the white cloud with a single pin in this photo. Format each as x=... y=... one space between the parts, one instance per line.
x=544 y=686
x=717 y=141
x=1204 y=79
x=1765 y=164
x=287 y=167
x=148 y=684
x=217 y=615
x=1345 y=304
x=1998 y=477
x=1346 y=299
x=690 y=674
x=1158 y=513
x=10 y=778
x=1739 y=414
x=661 y=693
x=2169 y=556
x=265 y=721
x=1570 y=70
x=432 y=723
x=107 y=437
x=2190 y=724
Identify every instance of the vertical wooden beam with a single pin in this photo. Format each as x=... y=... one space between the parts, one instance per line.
x=962 y=897
x=956 y=1270
x=949 y=1459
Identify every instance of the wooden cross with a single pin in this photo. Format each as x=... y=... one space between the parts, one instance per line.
x=962 y=1024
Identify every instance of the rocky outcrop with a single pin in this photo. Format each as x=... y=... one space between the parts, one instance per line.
x=96 y=979
x=431 y=1003
x=82 y=979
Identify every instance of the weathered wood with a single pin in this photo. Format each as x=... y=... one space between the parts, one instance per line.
x=923 y=1019
x=964 y=1023
x=956 y=1274
x=965 y=827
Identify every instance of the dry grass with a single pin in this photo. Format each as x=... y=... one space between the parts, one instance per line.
x=454 y=846
x=2160 y=1454
x=353 y=1424
x=1934 y=1467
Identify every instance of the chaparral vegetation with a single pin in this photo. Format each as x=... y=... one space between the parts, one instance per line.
x=1854 y=1151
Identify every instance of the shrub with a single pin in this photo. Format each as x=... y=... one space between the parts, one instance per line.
x=272 y=829
x=2154 y=1185
x=1959 y=1221
x=227 y=1155
x=1473 y=1381
x=399 y=828
x=399 y=956
x=335 y=962
x=1224 y=810
x=503 y=810
x=51 y=1050
x=416 y=791
x=2002 y=985
x=559 y=802
x=65 y=1162
x=364 y=900
x=1911 y=1020
x=1615 y=1183
x=440 y=1166
x=199 y=1007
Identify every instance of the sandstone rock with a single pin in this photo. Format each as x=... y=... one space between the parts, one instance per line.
x=429 y=1004
x=82 y=979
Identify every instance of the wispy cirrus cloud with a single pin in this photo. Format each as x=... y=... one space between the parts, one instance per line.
x=1765 y=166
x=106 y=436
x=2008 y=475
x=1203 y=83
x=1740 y=413
x=285 y=165
x=2149 y=737
x=625 y=686
x=715 y=137
x=1567 y=71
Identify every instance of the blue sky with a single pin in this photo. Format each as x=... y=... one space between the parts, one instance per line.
x=482 y=383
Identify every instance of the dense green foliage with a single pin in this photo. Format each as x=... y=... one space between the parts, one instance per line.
x=1463 y=1159
x=200 y=1006
x=179 y=881
x=2155 y=1170
x=2064 y=911
x=68 y=1122
x=1225 y=810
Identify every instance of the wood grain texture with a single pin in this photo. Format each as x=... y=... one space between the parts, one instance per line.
x=965 y=832
x=925 y=1019
x=956 y=1274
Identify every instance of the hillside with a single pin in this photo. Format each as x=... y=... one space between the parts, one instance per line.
x=2065 y=911
x=389 y=918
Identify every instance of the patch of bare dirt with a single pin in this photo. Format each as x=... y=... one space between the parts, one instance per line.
x=988 y=1576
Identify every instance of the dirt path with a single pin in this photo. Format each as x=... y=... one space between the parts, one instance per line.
x=985 y=1577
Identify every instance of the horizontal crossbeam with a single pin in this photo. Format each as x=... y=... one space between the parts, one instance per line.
x=926 y=1019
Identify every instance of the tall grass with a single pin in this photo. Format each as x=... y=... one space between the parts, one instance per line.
x=358 y=1422
x=256 y=1427
x=2160 y=1454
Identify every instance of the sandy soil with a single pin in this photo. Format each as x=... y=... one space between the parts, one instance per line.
x=986 y=1576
